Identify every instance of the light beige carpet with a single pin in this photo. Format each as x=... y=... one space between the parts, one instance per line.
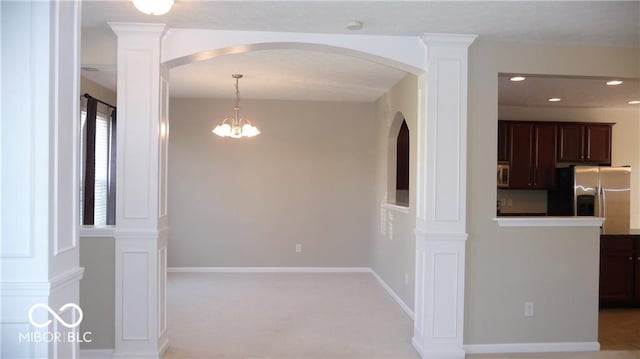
x=298 y=315
x=284 y=315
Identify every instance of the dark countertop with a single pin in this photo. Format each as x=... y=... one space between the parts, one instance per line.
x=632 y=232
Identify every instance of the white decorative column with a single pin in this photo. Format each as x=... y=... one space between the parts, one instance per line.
x=141 y=205
x=441 y=196
x=39 y=136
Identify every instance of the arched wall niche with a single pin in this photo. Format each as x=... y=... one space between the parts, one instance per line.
x=393 y=194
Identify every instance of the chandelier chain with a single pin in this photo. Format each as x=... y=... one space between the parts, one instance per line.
x=237 y=93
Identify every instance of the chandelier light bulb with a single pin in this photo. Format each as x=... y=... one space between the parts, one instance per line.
x=153 y=7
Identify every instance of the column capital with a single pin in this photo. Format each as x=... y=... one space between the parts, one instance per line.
x=431 y=39
x=127 y=28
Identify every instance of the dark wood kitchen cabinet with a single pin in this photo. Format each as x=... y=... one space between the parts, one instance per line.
x=619 y=270
x=636 y=295
x=588 y=143
x=532 y=154
x=503 y=141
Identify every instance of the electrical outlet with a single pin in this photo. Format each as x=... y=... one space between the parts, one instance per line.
x=298 y=248
x=528 y=309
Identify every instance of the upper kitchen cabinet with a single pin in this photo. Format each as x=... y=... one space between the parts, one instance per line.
x=532 y=155
x=503 y=141
x=588 y=143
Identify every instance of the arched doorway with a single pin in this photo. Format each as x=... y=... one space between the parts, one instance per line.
x=141 y=238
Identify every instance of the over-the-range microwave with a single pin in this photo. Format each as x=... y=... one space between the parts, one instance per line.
x=503 y=175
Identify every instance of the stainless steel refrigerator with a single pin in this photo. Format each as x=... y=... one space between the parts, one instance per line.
x=603 y=192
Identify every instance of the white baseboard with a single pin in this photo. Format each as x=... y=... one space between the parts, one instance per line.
x=393 y=294
x=532 y=348
x=96 y=353
x=268 y=270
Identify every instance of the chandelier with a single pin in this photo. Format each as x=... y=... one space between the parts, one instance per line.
x=153 y=7
x=236 y=127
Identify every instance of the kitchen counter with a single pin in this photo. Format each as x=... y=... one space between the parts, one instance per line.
x=633 y=232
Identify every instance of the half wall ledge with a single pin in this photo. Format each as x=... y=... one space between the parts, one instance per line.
x=549 y=221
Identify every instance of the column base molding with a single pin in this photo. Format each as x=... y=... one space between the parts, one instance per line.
x=452 y=354
x=439 y=312
x=17 y=300
x=141 y=267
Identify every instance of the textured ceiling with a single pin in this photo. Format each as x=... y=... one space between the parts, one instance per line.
x=590 y=22
x=574 y=91
x=304 y=75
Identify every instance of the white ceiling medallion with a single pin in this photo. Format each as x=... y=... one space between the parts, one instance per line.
x=153 y=7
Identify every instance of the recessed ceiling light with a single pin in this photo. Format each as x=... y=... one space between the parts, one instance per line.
x=354 y=25
x=634 y=102
x=555 y=99
x=614 y=82
x=518 y=78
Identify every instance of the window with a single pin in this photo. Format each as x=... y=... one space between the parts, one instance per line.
x=97 y=185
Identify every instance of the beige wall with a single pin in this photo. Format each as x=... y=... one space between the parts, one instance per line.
x=97 y=291
x=556 y=268
x=625 y=145
x=308 y=179
x=97 y=256
x=393 y=246
x=97 y=91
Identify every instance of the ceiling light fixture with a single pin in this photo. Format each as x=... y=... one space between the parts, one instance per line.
x=518 y=78
x=634 y=102
x=555 y=99
x=614 y=82
x=236 y=127
x=153 y=7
